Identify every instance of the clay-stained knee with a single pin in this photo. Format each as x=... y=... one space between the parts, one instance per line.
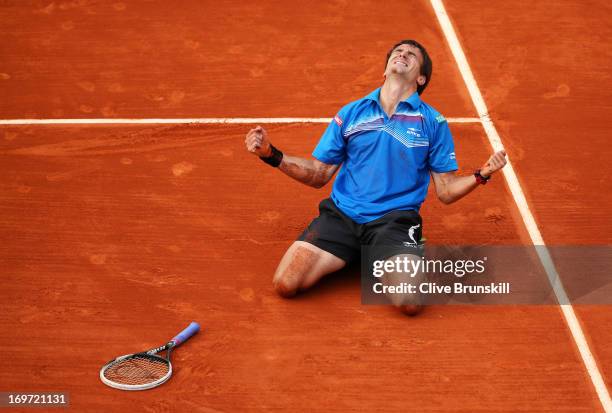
x=411 y=309
x=285 y=287
x=289 y=280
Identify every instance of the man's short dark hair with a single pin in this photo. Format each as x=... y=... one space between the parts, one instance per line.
x=426 y=67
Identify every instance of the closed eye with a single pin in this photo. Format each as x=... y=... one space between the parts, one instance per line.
x=401 y=50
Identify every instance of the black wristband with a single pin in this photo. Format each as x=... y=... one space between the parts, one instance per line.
x=481 y=179
x=275 y=159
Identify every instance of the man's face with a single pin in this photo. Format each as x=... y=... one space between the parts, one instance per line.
x=406 y=61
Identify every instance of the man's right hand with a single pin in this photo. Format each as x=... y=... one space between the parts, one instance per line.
x=257 y=142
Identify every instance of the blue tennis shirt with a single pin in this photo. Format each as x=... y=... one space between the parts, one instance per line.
x=385 y=161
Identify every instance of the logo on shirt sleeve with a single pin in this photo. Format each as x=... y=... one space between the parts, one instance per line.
x=440 y=119
x=338 y=120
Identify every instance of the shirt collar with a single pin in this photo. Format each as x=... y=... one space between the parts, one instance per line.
x=414 y=100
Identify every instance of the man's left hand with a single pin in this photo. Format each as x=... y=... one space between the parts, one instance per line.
x=494 y=164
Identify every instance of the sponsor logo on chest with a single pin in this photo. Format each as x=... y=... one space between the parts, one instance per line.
x=414 y=132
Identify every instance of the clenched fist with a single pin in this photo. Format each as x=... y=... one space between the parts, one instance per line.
x=495 y=163
x=257 y=142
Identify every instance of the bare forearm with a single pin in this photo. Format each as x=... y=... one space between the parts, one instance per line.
x=451 y=188
x=304 y=170
x=311 y=172
x=456 y=188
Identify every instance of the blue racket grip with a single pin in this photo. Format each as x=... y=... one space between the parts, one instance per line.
x=186 y=334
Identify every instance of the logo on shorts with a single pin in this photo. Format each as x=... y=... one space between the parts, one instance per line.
x=338 y=120
x=411 y=233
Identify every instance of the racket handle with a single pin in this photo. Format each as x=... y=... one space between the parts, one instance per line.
x=186 y=334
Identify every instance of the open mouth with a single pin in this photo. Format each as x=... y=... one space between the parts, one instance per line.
x=401 y=63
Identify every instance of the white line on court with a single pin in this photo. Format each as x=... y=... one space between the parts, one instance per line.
x=521 y=202
x=110 y=121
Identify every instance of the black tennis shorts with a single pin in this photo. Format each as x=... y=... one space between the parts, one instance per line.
x=398 y=232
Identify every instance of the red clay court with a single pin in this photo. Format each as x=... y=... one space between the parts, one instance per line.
x=129 y=206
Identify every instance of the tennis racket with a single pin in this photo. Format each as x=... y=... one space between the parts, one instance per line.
x=141 y=371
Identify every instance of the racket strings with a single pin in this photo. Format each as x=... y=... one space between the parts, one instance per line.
x=137 y=370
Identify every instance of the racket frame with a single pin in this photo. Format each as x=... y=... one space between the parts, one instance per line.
x=184 y=335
